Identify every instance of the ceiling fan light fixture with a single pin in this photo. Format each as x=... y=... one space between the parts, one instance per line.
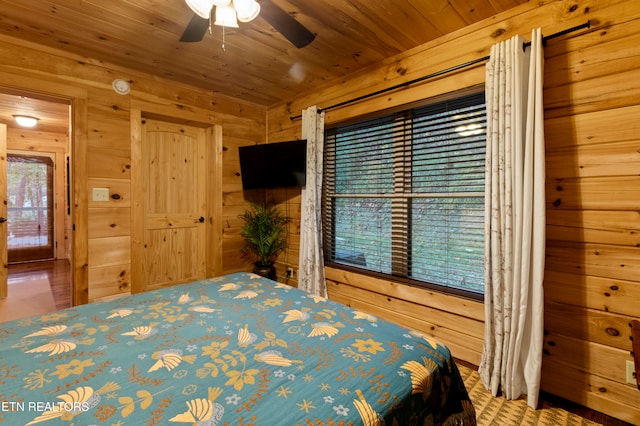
x=202 y=8
x=26 y=120
x=226 y=16
x=247 y=10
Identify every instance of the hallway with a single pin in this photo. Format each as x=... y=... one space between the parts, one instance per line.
x=58 y=272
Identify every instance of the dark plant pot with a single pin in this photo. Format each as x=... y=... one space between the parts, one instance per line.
x=267 y=271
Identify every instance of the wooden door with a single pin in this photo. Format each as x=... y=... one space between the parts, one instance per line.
x=4 y=271
x=174 y=242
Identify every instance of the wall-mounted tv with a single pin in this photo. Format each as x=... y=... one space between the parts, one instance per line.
x=274 y=165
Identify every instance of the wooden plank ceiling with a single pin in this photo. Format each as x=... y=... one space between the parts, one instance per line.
x=257 y=63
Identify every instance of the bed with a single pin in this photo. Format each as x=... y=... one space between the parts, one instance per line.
x=232 y=350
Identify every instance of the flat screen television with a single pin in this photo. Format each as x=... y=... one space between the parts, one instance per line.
x=274 y=165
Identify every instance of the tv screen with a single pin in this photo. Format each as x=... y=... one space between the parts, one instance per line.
x=274 y=165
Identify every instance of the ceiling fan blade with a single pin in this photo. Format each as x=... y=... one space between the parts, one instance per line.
x=196 y=29
x=286 y=24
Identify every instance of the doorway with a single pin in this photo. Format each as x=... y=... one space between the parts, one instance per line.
x=174 y=205
x=36 y=184
x=157 y=137
x=30 y=210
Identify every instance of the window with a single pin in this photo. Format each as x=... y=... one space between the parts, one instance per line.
x=404 y=195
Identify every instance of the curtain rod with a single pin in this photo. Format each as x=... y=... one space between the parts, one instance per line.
x=446 y=71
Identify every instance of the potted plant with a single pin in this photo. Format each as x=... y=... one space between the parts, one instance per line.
x=264 y=233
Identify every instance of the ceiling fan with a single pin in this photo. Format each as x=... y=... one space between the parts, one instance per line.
x=245 y=10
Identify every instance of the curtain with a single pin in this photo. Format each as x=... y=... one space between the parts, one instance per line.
x=311 y=262
x=514 y=220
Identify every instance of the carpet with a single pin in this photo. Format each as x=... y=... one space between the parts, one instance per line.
x=500 y=411
x=27 y=298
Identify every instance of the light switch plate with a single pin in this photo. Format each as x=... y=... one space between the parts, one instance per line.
x=100 y=194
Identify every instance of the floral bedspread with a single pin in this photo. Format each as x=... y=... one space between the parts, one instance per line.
x=232 y=350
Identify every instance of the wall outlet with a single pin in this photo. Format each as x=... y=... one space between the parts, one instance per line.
x=631 y=373
x=289 y=272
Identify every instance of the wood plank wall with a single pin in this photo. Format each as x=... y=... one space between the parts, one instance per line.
x=592 y=284
x=108 y=152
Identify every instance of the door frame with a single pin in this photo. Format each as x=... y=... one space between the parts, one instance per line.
x=196 y=117
x=4 y=263
x=78 y=138
x=57 y=237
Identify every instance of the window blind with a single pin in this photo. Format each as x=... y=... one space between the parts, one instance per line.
x=403 y=194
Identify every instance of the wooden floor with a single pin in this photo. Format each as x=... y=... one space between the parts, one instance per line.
x=57 y=271
x=59 y=274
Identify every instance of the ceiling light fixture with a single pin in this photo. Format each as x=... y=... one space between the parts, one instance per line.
x=26 y=120
x=228 y=12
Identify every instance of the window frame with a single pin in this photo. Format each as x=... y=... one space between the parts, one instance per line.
x=401 y=204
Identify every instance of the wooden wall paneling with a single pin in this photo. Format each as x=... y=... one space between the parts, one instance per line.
x=469 y=78
x=600 y=260
x=459 y=306
x=31 y=140
x=137 y=207
x=79 y=197
x=215 y=184
x=585 y=94
x=595 y=127
x=109 y=281
x=384 y=302
x=109 y=159
x=595 y=53
x=104 y=124
x=588 y=324
x=107 y=132
x=606 y=396
x=61 y=202
x=231 y=177
x=607 y=159
x=109 y=119
x=601 y=360
x=110 y=251
x=595 y=226
x=288 y=201
x=106 y=162
x=593 y=292
x=598 y=193
x=109 y=222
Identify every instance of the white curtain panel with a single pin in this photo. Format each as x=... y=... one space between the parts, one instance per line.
x=514 y=220
x=311 y=263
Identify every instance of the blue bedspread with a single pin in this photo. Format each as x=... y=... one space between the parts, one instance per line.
x=232 y=350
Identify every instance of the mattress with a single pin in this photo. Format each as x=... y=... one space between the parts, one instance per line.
x=232 y=350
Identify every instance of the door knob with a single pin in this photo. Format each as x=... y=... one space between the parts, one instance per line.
x=201 y=219
x=2 y=220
